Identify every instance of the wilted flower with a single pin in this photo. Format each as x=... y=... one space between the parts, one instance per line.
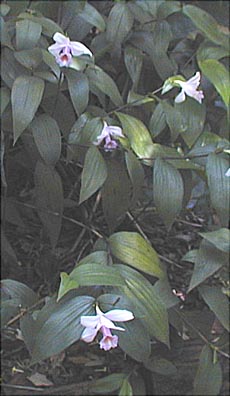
x=64 y=49
x=188 y=88
x=228 y=173
x=103 y=322
x=107 y=134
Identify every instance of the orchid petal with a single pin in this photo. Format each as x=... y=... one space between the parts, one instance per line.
x=90 y=321
x=89 y=334
x=108 y=342
x=78 y=49
x=227 y=173
x=181 y=97
x=115 y=131
x=119 y=315
x=61 y=39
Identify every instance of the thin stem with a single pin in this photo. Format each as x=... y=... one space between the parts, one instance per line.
x=25 y=311
x=135 y=102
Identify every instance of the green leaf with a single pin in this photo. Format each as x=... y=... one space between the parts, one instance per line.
x=208 y=260
x=49 y=200
x=126 y=388
x=163 y=289
x=93 y=274
x=131 y=248
x=148 y=306
x=93 y=175
x=98 y=257
x=219 y=77
x=108 y=384
x=134 y=341
x=47 y=137
x=168 y=190
x=133 y=61
x=206 y=24
x=219 y=184
x=18 y=291
x=92 y=16
x=138 y=135
x=29 y=58
x=116 y=193
x=219 y=238
x=174 y=119
x=103 y=82
x=208 y=378
x=26 y=96
x=161 y=366
x=157 y=121
x=66 y=285
x=49 y=27
x=217 y=302
x=193 y=114
x=5 y=98
x=62 y=327
x=119 y=23
x=167 y=8
x=207 y=50
x=78 y=85
x=27 y=34
x=162 y=36
x=136 y=174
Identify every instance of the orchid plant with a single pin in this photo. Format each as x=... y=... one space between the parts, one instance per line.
x=64 y=50
x=103 y=322
x=107 y=135
x=188 y=87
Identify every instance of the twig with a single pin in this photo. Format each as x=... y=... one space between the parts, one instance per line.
x=25 y=311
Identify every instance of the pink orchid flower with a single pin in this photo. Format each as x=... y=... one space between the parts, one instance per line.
x=103 y=322
x=108 y=133
x=64 y=50
x=189 y=88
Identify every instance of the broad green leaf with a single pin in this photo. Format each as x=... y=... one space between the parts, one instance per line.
x=137 y=100
x=138 y=135
x=49 y=200
x=162 y=36
x=7 y=249
x=208 y=260
x=126 y=388
x=163 y=289
x=133 y=61
x=47 y=137
x=194 y=115
x=116 y=193
x=168 y=190
x=98 y=257
x=167 y=8
x=4 y=9
x=219 y=186
x=219 y=238
x=79 y=90
x=206 y=24
x=208 y=379
x=62 y=327
x=103 y=82
x=26 y=96
x=5 y=36
x=217 y=302
x=136 y=174
x=93 y=274
x=18 y=291
x=85 y=130
x=66 y=285
x=207 y=50
x=174 y=119
x=119 y=23
x=157 y=121
x=134 y=341
x=29 y=58
x=161 y=366
x=94 y=173
x=27 y=34
x=92 y=16
x=5 y=98
x=219 y=77
x=49 y=27
x=131 y=248
x=108 y=384
x=149 y=308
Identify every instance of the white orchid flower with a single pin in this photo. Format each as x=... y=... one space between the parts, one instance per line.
x=103 y=322
x=64 y=50
x=188 y=88
x=228 y=173
x=107 y=134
